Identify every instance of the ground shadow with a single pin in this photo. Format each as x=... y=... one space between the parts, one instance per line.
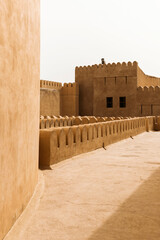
x=138 y=218
x=45 y=168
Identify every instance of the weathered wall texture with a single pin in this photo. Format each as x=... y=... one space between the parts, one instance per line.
x=57 y=144
x=19 y=107
x=49 y=102
x=70 y=99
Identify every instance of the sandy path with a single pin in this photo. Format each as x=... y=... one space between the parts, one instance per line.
x=102 y=195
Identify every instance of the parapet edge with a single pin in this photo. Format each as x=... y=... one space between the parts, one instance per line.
x=109 y=65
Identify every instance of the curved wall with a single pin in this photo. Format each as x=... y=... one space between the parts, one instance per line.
x=19 y=111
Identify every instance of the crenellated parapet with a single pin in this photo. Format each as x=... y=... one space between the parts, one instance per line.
x=59 y=121
x=148 y=90
x=114 y=69
x=111 y=66
x=70 y=89
x=50 y=84
x=148 y=101
x=57 y=144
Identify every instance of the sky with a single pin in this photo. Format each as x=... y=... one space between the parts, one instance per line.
x=81 y=32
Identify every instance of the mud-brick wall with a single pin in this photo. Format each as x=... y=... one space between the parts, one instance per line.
x=70 y=99
x=19 y=107
x=49 y=102
x=57 y=144
x=145 y=80
x=50 y=84
x=148 y=101
x=114 y=87
x=85 y=76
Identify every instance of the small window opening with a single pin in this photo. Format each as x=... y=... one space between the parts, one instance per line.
x=122 y=102
x=109 y=102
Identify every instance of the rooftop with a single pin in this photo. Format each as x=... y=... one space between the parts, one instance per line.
x=101 y=195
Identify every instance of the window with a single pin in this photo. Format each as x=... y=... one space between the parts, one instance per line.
x=122 y=102
x=109 y=102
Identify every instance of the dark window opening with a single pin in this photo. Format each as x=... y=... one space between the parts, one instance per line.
x=109 y=102
x=122 y=102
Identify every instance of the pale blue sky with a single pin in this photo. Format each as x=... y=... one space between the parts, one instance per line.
x=81 y=32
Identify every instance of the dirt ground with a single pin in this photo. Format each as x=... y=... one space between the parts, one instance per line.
x=111 y=194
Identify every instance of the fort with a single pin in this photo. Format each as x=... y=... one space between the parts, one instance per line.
x=56 y=99
x=114 y=90
x=103 y=90
x=43 y=123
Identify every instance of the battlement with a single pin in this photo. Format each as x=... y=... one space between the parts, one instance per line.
x=50 y=84
x=70 y=88
x=70 y=85
x=114 y=68
x=53 y=121
x=147 y=89
x=57 y=144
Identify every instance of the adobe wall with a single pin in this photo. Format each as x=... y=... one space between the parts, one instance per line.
x=52 y=121
x=57 y=144
x=84 y=77
x=56 y=99
x=148 y=101
x=19 y=107
x=50 y=84
x=145 y=80
x=70 y=99
x=114 y=87
x=49 y=102
x=106 y=73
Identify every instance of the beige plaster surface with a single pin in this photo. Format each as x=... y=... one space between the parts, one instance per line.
x=110 y=194
x=49 y=102
x=70 y=99
x=19 y=106
x=57 y=144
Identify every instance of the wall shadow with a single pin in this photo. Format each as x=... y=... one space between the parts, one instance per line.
x=138 y=218
x=45 y=168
